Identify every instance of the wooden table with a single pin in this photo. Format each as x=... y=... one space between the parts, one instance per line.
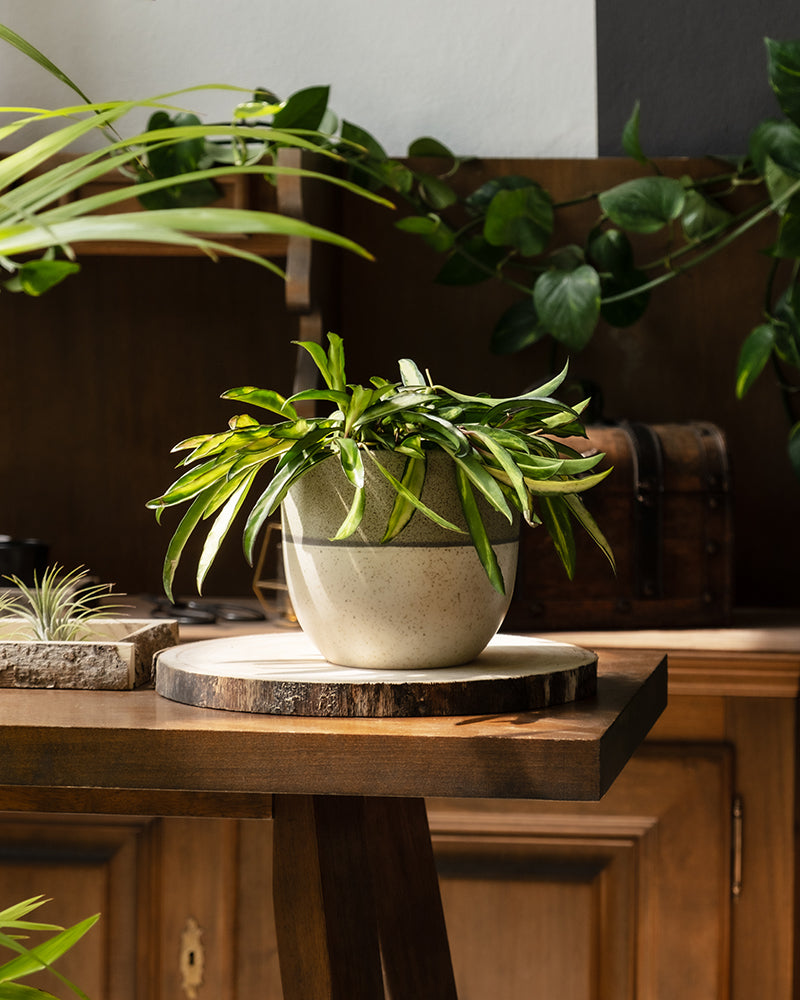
x=354 y=871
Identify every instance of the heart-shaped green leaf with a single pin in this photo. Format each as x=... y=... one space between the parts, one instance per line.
x=521 y=218
x=644 y=205
x=783 y=70
x=568 y=304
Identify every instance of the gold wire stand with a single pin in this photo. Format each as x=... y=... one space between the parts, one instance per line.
x=272 y=591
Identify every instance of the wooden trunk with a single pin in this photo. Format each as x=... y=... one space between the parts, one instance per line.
x=666 y=510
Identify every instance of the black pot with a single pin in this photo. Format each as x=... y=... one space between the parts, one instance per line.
x=22 y=557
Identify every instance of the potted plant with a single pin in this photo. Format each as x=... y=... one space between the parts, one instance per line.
x=57 y=633
x=400 y=505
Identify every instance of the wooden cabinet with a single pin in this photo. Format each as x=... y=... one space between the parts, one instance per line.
x=679 y=883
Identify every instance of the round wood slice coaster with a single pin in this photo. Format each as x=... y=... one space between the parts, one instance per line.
x=285 y=675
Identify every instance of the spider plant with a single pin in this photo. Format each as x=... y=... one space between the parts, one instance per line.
x=505 y=450
x=40 y=956
x=59 y=608
x=42 y=210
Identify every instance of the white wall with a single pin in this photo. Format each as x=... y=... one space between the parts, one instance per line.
x=490 y=77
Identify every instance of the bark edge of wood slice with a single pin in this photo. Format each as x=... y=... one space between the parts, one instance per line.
x=279 y=674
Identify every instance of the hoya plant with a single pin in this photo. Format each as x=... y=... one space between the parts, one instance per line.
x=505 y=450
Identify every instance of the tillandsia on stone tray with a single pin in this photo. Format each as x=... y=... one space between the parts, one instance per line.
x=505 y=450
x=59 y=607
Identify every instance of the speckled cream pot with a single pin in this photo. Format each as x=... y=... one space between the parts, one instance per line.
x=422 y=600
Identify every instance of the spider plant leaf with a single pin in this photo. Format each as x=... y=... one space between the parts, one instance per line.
x=545 y=389
x=477 y=531
x=486 y=483
x=410 y=375
x=337 y=396
x=222 y=524
x=177 y=543
x=532 y=407
x=267 y=399
x=540 y=466
x=389 y=407
x=258 y=457
x=409 y=495
x=336 y=362
x=7 y=35
x=579 y=511
x=194 y=482
x=442 y=432
x=297 y=462
x=506 y=461
x=565 y=486
x=556 y=520
x=352 y=463
x=354 y=515
x=413 y=478
x=22 y=909
x=320 y=358
x=360 y=400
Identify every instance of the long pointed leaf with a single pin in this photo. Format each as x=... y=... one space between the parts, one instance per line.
x=177 y=543
x=354 y=515
x=477 y=531
x=221 y=526
x=486 y=484
x=405 y=492
x=556 y=520
x=413 y=478
x=584 y=518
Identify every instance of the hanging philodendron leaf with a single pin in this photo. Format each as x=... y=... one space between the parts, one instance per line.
x=517 y=328
x=611 y=254
x=783 y=70
x=610 y=250
x=35 y=277
x=630 y=137
x=779 y=140
x=787 y=327
x=173 y=159
x=793 y=447
x=644 y=205
x=788 y=243
x=472 y=261
x=305 y=109
x=622 y=304
x=481 y=197
x=702 y=216
x=521 y=218
x=755 y=353
x=781 y=185
x=431 y=228
x=568 y=304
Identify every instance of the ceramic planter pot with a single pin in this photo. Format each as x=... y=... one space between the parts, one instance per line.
x=422 y=600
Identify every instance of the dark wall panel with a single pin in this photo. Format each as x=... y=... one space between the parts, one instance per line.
x=699 y=70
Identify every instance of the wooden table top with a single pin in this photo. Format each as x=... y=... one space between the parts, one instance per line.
x=74 y=746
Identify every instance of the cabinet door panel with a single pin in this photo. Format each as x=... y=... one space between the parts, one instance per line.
x=83 y=867
x=625 y=898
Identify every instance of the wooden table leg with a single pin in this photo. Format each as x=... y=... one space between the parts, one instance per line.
x=324 y=907
x=347 y=872
x=416 y=953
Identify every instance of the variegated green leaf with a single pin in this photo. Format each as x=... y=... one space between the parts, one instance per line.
x=406 y=493
x=477 y=531
x=556 y=519
x=413 y=479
